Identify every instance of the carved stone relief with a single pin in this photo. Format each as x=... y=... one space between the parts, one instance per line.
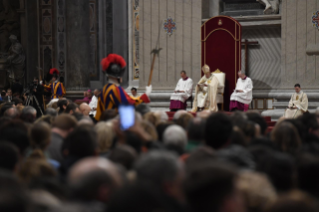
x=9 y=23
x=12 y=56
x=61 y=35
x=46 y=35
x=272 y=6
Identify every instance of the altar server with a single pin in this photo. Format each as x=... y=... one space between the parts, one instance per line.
x=243 y=94
x=182 y=93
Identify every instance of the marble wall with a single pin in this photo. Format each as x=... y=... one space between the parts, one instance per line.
x=298 y=33
x=181 y=51
x=264 y=60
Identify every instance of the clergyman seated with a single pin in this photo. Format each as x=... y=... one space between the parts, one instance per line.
x=243 y=94
x=298 y=104
x=206 y=92
x=183 y=91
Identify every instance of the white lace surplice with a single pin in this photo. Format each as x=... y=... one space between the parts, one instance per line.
x=183 y=85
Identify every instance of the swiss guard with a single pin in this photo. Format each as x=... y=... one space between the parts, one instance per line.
x=113 y=94
x=56 y=87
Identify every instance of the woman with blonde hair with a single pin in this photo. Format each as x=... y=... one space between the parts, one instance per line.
x=105 y=137
x=150 y=129
x=152 y=118
x=35 y=168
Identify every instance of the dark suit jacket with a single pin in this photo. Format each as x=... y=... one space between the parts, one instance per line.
x=6 y=99
x=39 y=94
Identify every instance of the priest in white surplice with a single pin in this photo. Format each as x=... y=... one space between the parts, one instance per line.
x=298 y=104
x=206 y=92
x=243 y=93
x=183 y=91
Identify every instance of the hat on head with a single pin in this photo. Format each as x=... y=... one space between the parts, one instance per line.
x=206 y=69
x=114 y=65
x=54 y=72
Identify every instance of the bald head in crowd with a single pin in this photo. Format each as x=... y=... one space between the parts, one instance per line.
x=85 y=109
x=94 y=179
x=11 y=113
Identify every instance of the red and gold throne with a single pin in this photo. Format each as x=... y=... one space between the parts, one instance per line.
x=221 y=50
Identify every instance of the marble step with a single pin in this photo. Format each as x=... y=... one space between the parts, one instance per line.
x=164 y=104
x=74 y=94
x=311 y=105
x=278 y=113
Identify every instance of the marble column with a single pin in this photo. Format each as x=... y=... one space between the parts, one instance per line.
x=205 y=9
x=215 y=7
x=77 y=44
x=31 y=48
x=120 y=33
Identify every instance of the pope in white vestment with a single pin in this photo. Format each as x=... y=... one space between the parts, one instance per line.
x=243 y=93
x=206 y=92
x=298 y=104
x=183 y=91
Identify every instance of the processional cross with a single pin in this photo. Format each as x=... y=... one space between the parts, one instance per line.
x=246 y=43
x=155 y=53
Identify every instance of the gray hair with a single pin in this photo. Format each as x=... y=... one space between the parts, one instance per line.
x=143 y=109
x=51 y=112
x=11 y=113
x=29 y=110
x=162 y=114
x=242 y=71
x=175 y=135
x=158 y=167
x=178 y=114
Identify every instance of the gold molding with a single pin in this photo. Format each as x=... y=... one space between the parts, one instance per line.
x=217 y=30
x=236 y=22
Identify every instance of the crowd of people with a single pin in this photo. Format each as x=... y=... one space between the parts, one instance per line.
x=64 y=161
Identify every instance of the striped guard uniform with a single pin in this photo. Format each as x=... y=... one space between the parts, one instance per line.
x=112 y=96
x=57 y=89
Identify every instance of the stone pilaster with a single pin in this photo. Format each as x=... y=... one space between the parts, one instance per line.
x=78 y=44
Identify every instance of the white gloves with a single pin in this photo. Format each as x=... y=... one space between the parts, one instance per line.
x=148 y=90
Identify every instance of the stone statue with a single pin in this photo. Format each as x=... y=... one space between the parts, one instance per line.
x=9 y=25
x=272 y=6
x=15 y=59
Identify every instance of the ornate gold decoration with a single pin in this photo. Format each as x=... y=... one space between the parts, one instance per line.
x=217 y=71
x=297 y=97
x=220 y=22
x=217 y=30
x=223 y=17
